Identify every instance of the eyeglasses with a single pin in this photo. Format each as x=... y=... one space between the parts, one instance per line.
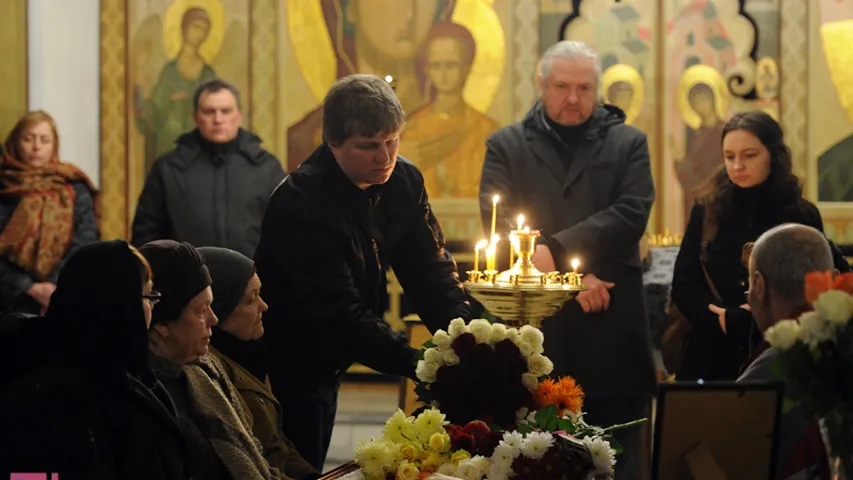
x=153 y=298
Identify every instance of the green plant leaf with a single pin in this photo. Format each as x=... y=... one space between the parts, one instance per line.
x=546 y=417
x=429 y=344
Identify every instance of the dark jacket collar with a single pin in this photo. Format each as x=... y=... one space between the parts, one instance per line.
x=252 y=355
x=192 y=146
x=603 y=117
x=323 y=160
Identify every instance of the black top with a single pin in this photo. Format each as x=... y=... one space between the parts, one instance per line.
x=324 y=247
x=713 y=355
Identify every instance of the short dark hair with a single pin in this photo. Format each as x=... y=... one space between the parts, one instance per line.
x=213 y=86
x=363 y=105
x=786 y=253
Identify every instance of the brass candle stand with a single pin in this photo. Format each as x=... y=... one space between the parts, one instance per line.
x=524 y=295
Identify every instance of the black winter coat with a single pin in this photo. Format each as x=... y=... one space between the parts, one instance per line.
x=591 y=199
x=712 y=354
x=324 y=247
x=208 y=195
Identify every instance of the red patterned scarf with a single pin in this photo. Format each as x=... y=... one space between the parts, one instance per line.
x=41 y=227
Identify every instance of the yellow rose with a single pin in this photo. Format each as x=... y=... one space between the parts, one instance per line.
x=408 y=471
x=410 y=451
x=431 y=462
x=459 y=455
x=440 y=442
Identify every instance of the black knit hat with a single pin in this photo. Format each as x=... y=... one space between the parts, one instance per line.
x=231 y=272
x=179 y=275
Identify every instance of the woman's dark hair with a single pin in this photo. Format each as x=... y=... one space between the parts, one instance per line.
x=785 y=188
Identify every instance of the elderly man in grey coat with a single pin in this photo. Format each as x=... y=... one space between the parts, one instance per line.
x=582 y=176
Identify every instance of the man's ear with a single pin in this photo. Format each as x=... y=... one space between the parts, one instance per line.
x=759 y=286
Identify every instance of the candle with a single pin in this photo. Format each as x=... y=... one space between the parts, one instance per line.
x=575 y=263
x=520 y=221
x=389 y=78
x=495 y=200
x=491 y=251
x=512 y=239
x=480 y=245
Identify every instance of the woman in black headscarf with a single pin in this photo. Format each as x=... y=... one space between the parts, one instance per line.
x=236 y=341
x=82 y=400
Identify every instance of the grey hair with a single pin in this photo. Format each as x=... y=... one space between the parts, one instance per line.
x=786 y=253
x=214 y=86
x=569 y=50
x=362 y=105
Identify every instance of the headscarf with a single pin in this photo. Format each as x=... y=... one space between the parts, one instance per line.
x=41 y=228
x=179 y=275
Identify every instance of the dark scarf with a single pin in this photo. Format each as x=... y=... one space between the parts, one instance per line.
x=252 y=355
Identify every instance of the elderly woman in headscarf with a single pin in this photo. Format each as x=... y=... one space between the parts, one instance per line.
x=215 y=424
x=47 y=212
x=238 y=304
x=78 y=396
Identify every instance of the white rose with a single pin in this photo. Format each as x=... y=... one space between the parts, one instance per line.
x=449 y=357
x=441 y=339
x=815 y=330
x=448 y=469
x=482 y=463
x=532 y=335
x=512 y=334
x=498 y=333
x=426 y=371
x=530 y=381
x=539 y=365
x=835 y=306
x=432 y=355
x=525 y=348
x=469 y=470
x=783 y=335
x=481 y=329
x=457 y=327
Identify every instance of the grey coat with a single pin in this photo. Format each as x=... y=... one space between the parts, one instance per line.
x=590 y=200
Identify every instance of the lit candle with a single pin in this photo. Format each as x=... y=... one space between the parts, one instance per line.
x=495 y=200
x=480 y=245
x=520 y=221
x=491 y=251
x=575 y=264
x=512 y=239
x=389 y=78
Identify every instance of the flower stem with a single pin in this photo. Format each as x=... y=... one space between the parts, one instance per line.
x=624 y=425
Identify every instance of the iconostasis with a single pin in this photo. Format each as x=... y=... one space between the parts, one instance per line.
x=464 y=68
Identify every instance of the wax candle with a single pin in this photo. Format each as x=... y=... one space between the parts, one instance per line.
x=575 y=264
x=495 y=201
x=480 y=245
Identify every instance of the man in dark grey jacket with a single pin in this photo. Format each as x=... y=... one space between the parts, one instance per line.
x=778 y=265
x=213 y=188
x=582 y=177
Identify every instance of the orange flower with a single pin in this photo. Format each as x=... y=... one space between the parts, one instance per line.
x=844 y=282
x=565 y=394
x=817 y=283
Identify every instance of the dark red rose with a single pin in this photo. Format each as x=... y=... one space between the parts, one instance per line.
x=478 y=429
x=462 y=441
x=487 y=445
x=505 y=349
x=454 y=430
x=464 y=344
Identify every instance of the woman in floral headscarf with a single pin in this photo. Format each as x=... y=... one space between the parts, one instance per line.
x=47 y=212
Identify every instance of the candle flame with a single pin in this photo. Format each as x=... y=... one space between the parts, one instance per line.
x=520 y=221
x=496 y=199
x=575 y=263
x=482 y=244
x=389 y=78
x=496 y=238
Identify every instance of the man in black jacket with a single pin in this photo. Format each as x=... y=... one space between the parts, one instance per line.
x=213 y=188
x=353 y=208
x=582 y=176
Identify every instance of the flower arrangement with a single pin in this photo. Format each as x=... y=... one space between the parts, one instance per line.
x=501 y=416
x=816 y=359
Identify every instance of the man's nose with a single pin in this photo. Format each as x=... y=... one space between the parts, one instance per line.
x=383 y=155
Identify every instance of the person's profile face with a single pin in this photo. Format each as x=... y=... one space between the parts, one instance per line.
x=188 y=337
x=368 y=160
x=246 y=321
